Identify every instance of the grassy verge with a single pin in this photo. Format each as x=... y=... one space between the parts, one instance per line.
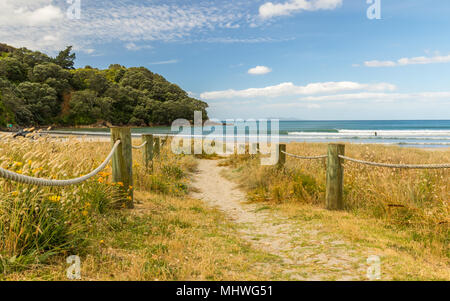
x=168 y=236
x=413 y=236
x=164 y=238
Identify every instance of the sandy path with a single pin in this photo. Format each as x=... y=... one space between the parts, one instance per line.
x=303 y=254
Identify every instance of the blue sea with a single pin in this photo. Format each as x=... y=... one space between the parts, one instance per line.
x=408 y=133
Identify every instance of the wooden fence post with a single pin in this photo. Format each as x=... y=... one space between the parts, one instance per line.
x=148 y=149
x=122 y=163
x=281 y=154
x=335 y=177
x=157 y=146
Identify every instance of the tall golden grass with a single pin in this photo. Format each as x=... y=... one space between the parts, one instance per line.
x=416 y=201
x=37 y=223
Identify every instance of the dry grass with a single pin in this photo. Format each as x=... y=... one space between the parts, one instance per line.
x=37 y=223
x=172 y=237
x=164 y=238
x=168 y=236
x=414 y=203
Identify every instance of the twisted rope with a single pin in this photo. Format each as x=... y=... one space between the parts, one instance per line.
x=305 y=157
x=406 y=166
x=140 y=146
x=45 y=182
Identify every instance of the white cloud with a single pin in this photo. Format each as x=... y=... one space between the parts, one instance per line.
x=420 y=60
x=164 y=62
x=259 y=70
x=25 y=23
x=89 y=50
x=423 y=96
x=228 y=40
x=44 y=15
x=269 y=10
x=31 y=13
x=289 y=89
x=291 y=105
x=133 y=47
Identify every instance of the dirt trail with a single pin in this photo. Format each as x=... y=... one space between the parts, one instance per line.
x=303 y=253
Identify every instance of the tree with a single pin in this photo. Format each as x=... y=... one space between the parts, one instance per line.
x=12 y=69
x=65 y=59
x=41 y=100
x=14 y=105
x=39 y=90
x=31 y=58
x=53 y=75
x=86 y=108
x=137 y=78
x=6 y=116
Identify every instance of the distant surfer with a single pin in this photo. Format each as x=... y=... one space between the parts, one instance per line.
x=376 y=134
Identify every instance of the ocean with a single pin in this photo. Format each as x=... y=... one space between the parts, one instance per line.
x=407 y=133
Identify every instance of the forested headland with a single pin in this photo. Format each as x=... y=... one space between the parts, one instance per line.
x=38 y=90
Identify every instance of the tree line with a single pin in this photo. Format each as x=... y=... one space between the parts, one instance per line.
x=36 y=89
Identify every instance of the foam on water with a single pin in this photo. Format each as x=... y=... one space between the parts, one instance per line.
x=437 y=138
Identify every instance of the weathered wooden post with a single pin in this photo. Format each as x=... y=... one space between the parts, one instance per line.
x=281 y=155
x=157 y=146
x=335 y=177
x=148 y=149
x=122 y=163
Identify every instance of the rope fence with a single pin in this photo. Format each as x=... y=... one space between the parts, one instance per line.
x=335 y=170
x=120 y=156
x=4 y=173
x=304 y=157
x=140 y=146
x=403 y=166
x=389 y=165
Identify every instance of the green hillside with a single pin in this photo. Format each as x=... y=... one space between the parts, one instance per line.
x=36 y=89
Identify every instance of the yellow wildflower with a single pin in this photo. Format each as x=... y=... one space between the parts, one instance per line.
x=15 y=193
x=120 y=184
x=84 y=212
x=55 y=198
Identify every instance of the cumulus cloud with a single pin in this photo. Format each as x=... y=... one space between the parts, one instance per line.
x=269 y=9
x=31 y=13
x=259 y=70
x=419 y=60
x=289 y=89
x=380 y=96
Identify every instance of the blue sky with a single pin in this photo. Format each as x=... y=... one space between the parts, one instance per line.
x=305 y=59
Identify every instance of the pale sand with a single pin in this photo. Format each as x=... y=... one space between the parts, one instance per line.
x=303 y=253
